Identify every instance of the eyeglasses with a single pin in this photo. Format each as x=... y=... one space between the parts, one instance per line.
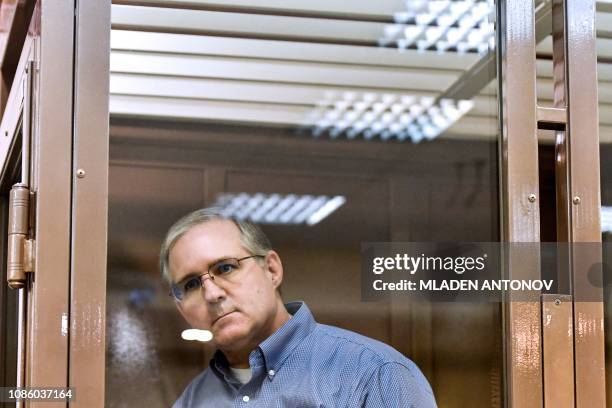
x=220 y=272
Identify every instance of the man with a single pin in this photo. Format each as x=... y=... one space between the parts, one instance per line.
x=225 y=278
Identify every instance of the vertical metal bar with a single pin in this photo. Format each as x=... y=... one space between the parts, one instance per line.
x=521 y=220
x=584 y=193
x=27 y=124
x=90 y=203
x=558 y=341
x=47 y=353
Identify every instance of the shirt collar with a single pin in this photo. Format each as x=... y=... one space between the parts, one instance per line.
x=283 y=341
x=280 y=344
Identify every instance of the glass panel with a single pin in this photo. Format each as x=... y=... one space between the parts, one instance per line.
x=603 y=19
x=544 y=54
x=9 y=298
x=372 y=111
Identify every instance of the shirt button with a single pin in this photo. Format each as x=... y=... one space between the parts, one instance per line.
x=271 y=373
x=246 y=398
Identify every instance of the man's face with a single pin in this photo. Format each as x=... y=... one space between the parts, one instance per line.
x=240 y=313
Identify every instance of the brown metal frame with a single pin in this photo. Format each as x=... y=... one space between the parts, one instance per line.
x=558 y=351
x=65 y=335
x=520 y=210
x=584 y=200
x=90 y=203
x=59 y=354
x=47 y=353
x=557 y=319
x=574 y=359
x=44 y=349
x=575 y=118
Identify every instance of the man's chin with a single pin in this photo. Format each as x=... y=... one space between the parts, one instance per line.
x=230 y=338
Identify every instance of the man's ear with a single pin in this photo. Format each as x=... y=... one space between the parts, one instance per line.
x=274 y=268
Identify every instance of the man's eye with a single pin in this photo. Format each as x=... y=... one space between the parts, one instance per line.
x=191 y=284
x=224 y=268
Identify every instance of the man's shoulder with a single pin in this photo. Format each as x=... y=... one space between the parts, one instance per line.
x=356 y=344
x=193 y=389
x=376 y=366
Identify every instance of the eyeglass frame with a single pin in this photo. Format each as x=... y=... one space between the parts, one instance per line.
x=210 y=275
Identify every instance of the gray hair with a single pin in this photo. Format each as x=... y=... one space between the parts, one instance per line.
x=252 y=237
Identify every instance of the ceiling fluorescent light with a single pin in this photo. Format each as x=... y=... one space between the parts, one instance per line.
x=329 y=207
x=278 y=209
x=283 y=205
x=291 y=212
x=461 y=26
x=387 y=116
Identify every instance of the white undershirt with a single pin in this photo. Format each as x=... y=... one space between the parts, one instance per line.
x=242 y=374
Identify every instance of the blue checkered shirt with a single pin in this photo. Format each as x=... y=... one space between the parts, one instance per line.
x=305 y=364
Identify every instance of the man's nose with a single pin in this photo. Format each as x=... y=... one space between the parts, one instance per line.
x=211 y=291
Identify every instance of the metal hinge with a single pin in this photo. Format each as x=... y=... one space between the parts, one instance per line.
x=21 y=249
